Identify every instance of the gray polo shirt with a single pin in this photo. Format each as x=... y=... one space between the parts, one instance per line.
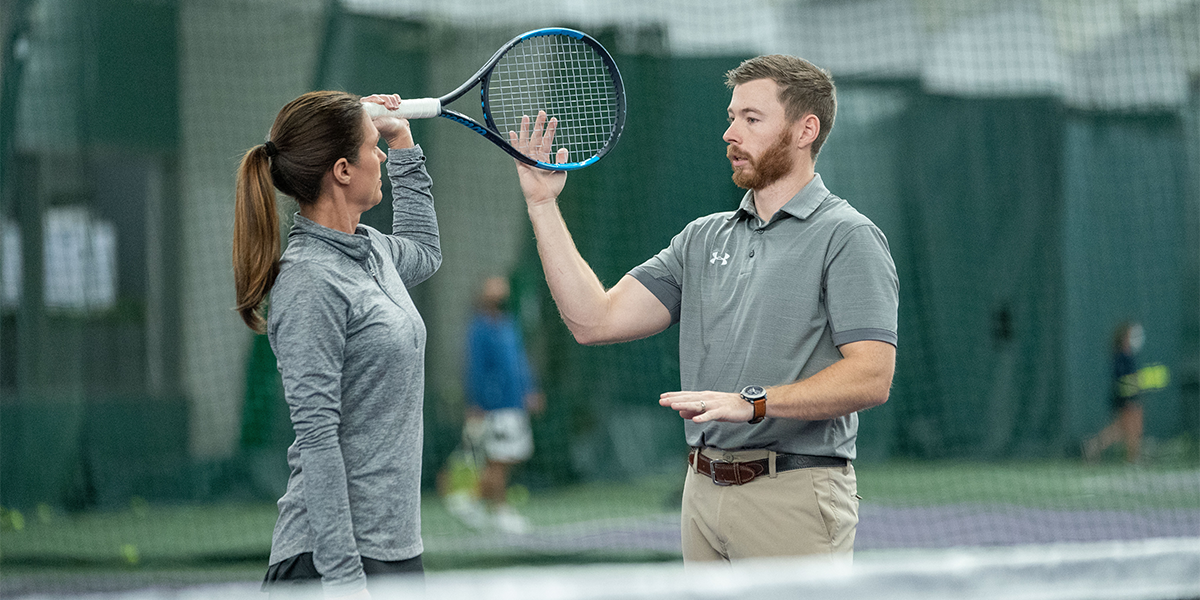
x=769 y=304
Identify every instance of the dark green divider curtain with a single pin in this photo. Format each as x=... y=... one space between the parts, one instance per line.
x=983 y=201
x=1128 y=181
x=73 y=392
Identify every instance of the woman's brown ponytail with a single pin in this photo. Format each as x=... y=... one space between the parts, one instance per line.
x=255 y=236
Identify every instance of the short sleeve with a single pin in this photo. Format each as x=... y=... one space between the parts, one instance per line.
x=662 y=274
x=862 y=291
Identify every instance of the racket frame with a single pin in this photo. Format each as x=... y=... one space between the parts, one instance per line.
x=490 y=130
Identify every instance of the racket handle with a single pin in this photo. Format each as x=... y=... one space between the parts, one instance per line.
x=419 y=108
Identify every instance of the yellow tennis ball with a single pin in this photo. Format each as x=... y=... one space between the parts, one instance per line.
x=16 y=520
x=129 y=552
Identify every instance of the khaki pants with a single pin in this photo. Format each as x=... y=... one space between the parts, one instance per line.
x=811 y=511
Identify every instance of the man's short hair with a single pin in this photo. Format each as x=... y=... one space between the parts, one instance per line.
x=804 y=88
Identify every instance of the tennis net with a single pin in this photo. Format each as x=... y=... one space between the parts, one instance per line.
x=1154 y=569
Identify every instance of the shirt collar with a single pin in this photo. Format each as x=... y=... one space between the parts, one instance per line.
x=356 y=246
x=801 y=206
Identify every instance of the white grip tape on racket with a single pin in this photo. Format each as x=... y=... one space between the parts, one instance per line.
x=420 y=108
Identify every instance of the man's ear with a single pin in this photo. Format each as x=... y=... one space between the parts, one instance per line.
x=341 y=171
x=806 y=130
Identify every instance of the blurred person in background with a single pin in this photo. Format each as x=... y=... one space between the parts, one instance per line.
x=500 y=393
x=787 y=309
x=349 y=342
x=1125 y=397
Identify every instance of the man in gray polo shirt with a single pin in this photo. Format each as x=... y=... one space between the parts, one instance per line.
x=787 y=316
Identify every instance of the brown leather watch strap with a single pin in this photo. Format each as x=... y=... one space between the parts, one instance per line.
x=760 y=409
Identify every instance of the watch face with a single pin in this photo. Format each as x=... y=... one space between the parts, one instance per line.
x=753 y=392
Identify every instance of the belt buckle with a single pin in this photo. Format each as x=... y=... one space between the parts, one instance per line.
x=712 y=471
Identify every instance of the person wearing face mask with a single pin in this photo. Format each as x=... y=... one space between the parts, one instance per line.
x=1126 y=424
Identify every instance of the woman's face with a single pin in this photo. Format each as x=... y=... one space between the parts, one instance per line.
x=367 y=182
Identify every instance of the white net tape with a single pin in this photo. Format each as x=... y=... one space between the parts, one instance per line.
x=1156 y=569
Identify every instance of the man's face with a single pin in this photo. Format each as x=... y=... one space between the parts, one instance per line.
x=760 y=137
x=495 y=292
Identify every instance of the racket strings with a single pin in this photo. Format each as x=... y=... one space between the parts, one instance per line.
x=565 y=77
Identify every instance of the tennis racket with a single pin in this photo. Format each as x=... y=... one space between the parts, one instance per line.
x=564 y=72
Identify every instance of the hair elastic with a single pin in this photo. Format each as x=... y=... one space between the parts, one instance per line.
x=271 y=149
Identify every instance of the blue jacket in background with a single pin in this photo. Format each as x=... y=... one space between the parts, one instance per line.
x=497 y=370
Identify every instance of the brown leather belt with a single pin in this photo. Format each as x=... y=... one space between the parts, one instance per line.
x=737 y=473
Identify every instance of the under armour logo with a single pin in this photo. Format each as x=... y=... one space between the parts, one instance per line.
x=724 y=259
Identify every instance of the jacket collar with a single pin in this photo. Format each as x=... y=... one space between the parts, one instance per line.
x=356 y=246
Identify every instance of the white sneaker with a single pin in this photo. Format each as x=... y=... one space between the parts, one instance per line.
x=508 y=521
x=468 y=510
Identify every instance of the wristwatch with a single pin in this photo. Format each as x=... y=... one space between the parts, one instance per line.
x=757 y=396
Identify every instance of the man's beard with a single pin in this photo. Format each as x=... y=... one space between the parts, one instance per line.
x=769 y=167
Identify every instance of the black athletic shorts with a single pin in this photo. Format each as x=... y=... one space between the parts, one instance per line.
x=300 y=570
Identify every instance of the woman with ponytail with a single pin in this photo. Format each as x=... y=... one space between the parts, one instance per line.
x=350 y=343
